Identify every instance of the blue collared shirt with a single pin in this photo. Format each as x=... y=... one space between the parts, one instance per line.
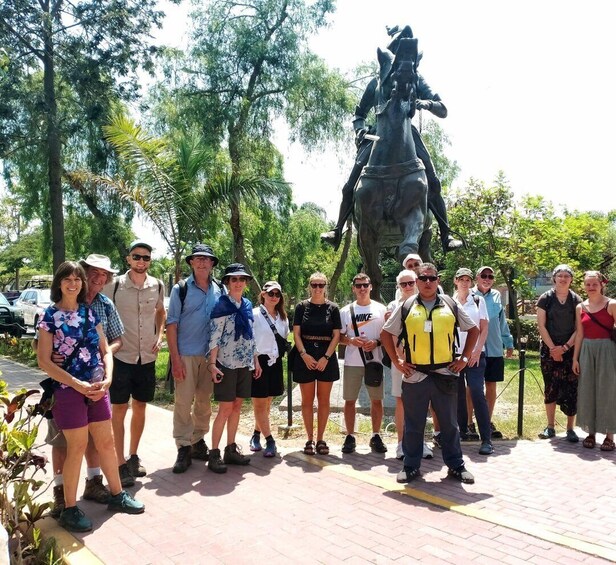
x=109 y=317
x=194 y=320
x=499 y=336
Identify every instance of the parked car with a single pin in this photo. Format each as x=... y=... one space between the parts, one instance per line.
x=11 y=318
x=33 y=302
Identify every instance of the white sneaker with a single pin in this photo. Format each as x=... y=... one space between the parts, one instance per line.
x=427 y=452
x=399 y=452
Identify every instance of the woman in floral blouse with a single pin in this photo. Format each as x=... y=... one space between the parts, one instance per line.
x=81 y=401
x=233 y=364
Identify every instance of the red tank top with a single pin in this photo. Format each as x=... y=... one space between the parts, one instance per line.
x=592 y=330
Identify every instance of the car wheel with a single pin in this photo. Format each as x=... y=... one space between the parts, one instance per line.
x=36 y=319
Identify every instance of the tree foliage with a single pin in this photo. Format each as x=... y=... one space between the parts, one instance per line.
x=64 y=63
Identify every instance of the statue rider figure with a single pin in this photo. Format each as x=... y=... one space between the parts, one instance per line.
x=426 y=100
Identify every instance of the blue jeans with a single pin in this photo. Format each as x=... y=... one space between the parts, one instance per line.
x=416 y=398
x=474 y=377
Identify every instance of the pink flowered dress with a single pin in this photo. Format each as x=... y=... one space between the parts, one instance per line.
x=67 y=328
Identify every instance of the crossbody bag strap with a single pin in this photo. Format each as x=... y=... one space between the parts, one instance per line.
x=361 y=351
x=596 y=320
x=266 y=316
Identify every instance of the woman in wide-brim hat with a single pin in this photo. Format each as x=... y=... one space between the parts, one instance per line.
x=233 y=364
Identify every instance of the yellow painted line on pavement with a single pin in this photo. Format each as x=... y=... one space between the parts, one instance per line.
x=72 y=551
x=522 y=526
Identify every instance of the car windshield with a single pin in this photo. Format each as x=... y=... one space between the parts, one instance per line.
x=3 y=300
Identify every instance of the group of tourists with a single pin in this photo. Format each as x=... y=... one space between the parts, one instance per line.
x=100 y=338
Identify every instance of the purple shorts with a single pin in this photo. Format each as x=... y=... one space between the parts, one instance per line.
x=70 y=409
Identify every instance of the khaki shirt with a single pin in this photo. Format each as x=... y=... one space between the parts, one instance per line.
x=137 y=308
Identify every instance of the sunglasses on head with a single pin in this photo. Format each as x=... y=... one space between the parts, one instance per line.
x=361 y=285
x=137 y=257
x=274 y=294
x=487 y=276
x=317 y=285
x=426 y=278
x=237 y=279
x=404 y=284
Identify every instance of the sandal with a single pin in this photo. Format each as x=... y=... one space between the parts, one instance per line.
x=309 y=447
x=322 y=448
x=607 y=445
x=589 y=442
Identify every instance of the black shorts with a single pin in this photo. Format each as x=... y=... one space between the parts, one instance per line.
x=136 y=380
x=495 y=370
x=236 y=383
x=270 y=383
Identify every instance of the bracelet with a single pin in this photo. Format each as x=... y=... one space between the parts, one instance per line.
x=212 y=364
x=302 y=353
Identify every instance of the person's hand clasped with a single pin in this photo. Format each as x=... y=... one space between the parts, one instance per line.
x=369 y=344
x=309 y=361
x=321 y=364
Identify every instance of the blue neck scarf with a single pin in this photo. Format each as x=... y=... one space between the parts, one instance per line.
x=243 y=315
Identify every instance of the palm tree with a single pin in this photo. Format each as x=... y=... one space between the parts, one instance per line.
x=167 y=179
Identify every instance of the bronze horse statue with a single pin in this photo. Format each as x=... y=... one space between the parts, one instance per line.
x=391 y=196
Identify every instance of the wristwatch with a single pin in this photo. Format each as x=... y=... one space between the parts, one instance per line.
x=327 y=356
x=465 y=359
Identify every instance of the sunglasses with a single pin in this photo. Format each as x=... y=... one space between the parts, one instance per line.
x=404 y=284
x=487 y=276
x=237 y=279
x=137 y=257
x=318 y=285
x=426 y=278
x=274 y=294
x=361 y=285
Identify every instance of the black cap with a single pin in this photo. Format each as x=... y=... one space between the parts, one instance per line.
x=202 y=250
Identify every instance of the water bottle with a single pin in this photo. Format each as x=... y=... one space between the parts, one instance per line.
x=367 y=354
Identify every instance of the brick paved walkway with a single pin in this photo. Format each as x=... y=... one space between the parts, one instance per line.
x=533 y=502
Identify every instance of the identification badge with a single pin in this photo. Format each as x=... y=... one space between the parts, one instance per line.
x=428 y=326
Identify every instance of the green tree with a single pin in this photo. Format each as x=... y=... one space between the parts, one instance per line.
x=249 y=64
x=90 y=48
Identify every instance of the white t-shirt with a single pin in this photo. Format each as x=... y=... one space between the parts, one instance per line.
x=370 y=320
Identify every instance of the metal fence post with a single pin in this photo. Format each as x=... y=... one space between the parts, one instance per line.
x=522 y=349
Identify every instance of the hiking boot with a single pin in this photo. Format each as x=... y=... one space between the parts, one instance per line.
x=124 y=502
x=495 y=433
x=200 y=451
x=95 y=490
x=135 y=468
x=75 y=520
x=215 y=463
x=469 y=436
x=233 y=455
x=270 y=448
x=548 y=433
x=436 y=440
x=407 y=475
x=333 y=238
x=572 y=436
x=461 y=474
x=349 y=444
x=399 y=452
x=377 y=445
x=184 y=459
x=486 y=448
x=255 y=442
x=427 y=452
x=126 y=478
x=58 y=501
